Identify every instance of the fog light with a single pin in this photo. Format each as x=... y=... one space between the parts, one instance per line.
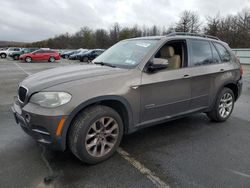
x=27 y=118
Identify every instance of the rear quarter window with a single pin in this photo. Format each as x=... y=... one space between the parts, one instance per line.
x=223 y=52
x=216 y=57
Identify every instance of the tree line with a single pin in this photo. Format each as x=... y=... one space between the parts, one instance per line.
x=233 y=29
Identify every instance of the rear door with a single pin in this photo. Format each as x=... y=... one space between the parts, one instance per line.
x=207 y=67
x=46 y=55
x=200 y=59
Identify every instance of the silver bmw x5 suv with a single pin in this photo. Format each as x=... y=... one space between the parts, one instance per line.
x=136 y=83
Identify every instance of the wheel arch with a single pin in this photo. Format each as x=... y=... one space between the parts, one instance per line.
x=231 y=85
x=28 y=56
x=118 y=103
x=234 y=88
x=3 y=53
x=51 y=57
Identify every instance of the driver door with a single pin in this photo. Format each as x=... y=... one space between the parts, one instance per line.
x=167 y=92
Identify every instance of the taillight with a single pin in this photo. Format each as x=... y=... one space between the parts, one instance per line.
x=238 y=61
x=241 y=71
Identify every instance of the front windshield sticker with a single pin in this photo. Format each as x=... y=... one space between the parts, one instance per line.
x=145 y=45
x=129 y=61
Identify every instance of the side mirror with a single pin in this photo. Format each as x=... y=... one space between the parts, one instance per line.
x=157 y=64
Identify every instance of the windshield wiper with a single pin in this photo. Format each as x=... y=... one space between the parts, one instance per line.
x=104 y=64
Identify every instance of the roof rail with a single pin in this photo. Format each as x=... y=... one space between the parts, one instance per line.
x=192 y=34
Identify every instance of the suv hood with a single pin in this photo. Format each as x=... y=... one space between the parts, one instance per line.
x=52 y=77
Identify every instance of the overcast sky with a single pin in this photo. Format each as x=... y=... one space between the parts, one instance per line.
x=32 y=20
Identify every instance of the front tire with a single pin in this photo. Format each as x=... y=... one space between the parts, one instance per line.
x=15 y=57
x=95 y=134
x=28 y=59
x=85 y=59
x=223 y=106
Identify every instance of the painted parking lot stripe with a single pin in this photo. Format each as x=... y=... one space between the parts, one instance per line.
x=240 y=173
x=142 y=169
x=28 y=73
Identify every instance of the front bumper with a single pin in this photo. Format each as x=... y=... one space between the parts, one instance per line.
x=42 y=128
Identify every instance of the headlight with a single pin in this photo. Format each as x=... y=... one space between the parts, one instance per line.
x=50 y=99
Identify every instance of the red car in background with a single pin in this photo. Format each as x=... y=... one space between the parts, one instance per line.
x=41 y=55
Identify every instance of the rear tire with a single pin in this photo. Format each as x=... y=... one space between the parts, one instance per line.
x=3 y=55
x=95 y=134
x=223 y=106
x=52 y=59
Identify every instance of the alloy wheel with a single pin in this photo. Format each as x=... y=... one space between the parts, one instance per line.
x=226 y=105
x=28 y=59
x=102 y=136
x=52 y=59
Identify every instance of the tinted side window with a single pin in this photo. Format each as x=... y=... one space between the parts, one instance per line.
x=48 y=51
x=16 y=49
x=200 y=53
x=216 y=57
x=224 y=54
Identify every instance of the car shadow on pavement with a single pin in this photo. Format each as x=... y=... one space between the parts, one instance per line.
x=169 y=133
x=67 y=168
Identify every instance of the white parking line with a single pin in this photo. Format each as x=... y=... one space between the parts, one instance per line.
x=28 y=73
x=240 y=173
x=142 y=169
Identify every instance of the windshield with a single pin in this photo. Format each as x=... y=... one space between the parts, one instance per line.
x=127 y=54
x=35 y=51
x=25 y=50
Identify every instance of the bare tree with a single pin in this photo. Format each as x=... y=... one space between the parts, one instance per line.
x=189 y=22
x=233 y=29
x=213 y=24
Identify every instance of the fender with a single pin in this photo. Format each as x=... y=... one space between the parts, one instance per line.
x=93 y=101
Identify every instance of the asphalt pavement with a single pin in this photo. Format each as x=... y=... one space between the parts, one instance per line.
x=189 y=152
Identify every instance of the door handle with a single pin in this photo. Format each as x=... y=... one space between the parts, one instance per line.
x=134 y=86
x=222 y=70
x=186 y=76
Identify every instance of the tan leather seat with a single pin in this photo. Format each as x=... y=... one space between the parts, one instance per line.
x=174 y=61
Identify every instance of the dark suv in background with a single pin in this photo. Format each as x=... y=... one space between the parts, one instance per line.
x=136 y=83
x=90 y=55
